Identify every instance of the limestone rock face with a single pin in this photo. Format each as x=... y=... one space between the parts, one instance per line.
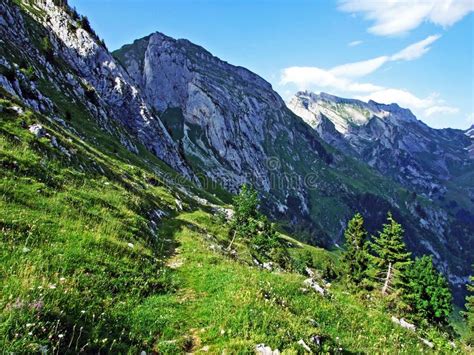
x=389 y=138
x=233 y=128
x=203 y=116
x=228 y=117
x=91 y=75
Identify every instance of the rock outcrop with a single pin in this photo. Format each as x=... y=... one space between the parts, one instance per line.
x=71 y=59
x=388 y=138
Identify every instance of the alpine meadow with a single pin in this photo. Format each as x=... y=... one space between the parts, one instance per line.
x=156 y=199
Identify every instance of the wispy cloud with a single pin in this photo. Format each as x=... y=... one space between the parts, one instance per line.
x=355 y=43
x=340 y=74
x=427 y=107
x=358 y=69
x=343 y=79
x=416 y=50
x=394 y=17
x=306 y=77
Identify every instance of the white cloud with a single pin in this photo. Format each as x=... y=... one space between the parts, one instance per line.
x=394 y=17
x=426 y=107
x=438 y=110
x=305 y=77
x=415 y=50
x=355 y=43
x=359 y=69
x=340 y=80
x=339 y=76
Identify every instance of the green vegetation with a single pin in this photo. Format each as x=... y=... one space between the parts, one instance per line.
x=251 y=226
x=470 y=313
x=428 y=293
x=356 y=255
x=84 y=268
x=107 y=251
x=413 y=289
x=390 y=255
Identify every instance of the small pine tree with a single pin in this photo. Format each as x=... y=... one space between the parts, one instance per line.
x=391 y=256
x=470 y=312
x=427 y=292
x=356 y=255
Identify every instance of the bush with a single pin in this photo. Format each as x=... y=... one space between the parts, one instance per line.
x=30 y=73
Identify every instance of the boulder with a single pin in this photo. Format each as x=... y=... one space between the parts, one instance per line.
x=315 y=286
x=262 y=349
x=37 y=130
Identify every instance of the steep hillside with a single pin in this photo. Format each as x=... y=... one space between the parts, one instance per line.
x=100 y=253
x=110 y=245
x=232 y=127
x=56 y=52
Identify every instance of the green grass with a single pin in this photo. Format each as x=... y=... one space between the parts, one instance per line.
x=83 y=270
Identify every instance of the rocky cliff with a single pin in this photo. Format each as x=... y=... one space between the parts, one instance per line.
x=207 y=118
x=62 y=55
x=388 y=138
x=233 y=128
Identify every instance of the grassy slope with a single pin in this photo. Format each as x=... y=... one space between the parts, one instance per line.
x=81 y=268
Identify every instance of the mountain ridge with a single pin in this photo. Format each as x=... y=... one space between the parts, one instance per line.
x=217 y=100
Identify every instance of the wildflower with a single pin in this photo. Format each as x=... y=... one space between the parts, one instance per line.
x=130 y=245
x=60 y=336
x=62 y=279
x=18 y=303
x=37 y=305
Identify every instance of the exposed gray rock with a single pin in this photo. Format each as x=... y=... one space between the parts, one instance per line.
x=315 y=286
x=233 y=128
x=427 y=343
x=262 y=349
x=37 y=130
x=387 y=137
x=111 y=93
x=304 y=346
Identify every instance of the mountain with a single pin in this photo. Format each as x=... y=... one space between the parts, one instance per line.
x=90 y=76
x=388 y=138
x=470 y=134
x=231 y=128
x=114 y=241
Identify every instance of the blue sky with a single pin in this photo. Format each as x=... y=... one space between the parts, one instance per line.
x=416 y=53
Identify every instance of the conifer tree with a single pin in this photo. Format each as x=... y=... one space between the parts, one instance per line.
x=470 y=312
x=427 y=292
x=356 y=256
x=391 y=256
